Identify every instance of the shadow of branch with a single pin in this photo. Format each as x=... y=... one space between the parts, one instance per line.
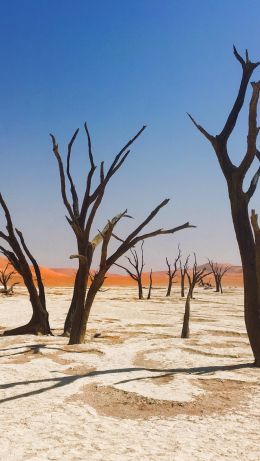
x=66 y=380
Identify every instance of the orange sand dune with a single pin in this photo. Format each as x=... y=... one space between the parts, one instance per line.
x=65 y=277
x=51 y=277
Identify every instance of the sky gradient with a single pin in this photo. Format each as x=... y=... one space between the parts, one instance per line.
x=119 y=65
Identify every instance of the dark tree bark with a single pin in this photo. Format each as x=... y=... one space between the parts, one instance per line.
x=39 y=323
x=72 y=308
x=81 y=221
x=186 y=319
x=183 y=272
x=239 y=199
x=172 y=272
x=138 y=266
x=256 y=229
x=150 y=284
x=218 y=273
x=196 y=276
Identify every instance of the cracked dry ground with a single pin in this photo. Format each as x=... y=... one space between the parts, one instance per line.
x=136 y=392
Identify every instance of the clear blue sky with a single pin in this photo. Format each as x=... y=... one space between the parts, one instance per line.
x=119 y=65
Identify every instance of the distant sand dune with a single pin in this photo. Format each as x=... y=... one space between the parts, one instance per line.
x=62 y=277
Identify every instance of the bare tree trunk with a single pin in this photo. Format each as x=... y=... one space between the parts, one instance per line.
x=150 y=285
x=217 y=282
x=140 y=290
x=183 y=272
x=256 y=228
x=93 y=290
x=169 y=289
x=82 y=276
x=73 y=304
x=186 y=319
x=39 y=323
x=183 y=286
x=192 y=284
x=245 y=239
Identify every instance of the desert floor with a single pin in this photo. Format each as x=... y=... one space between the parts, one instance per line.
x=137 y=392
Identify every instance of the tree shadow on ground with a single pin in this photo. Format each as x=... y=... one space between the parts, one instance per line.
x=36 y=348
x=66 y=380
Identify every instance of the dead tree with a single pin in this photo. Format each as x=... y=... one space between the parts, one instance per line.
x=183 y=272
x=240 y=198
x=138 y=265
x=218 y=272
x=5 y=277
x=81 y=220
x=196 y=276
x=172 y=272
x=39 y=323
x=150 y=284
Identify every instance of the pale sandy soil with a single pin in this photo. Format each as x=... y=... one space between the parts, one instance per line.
x=138 y=392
